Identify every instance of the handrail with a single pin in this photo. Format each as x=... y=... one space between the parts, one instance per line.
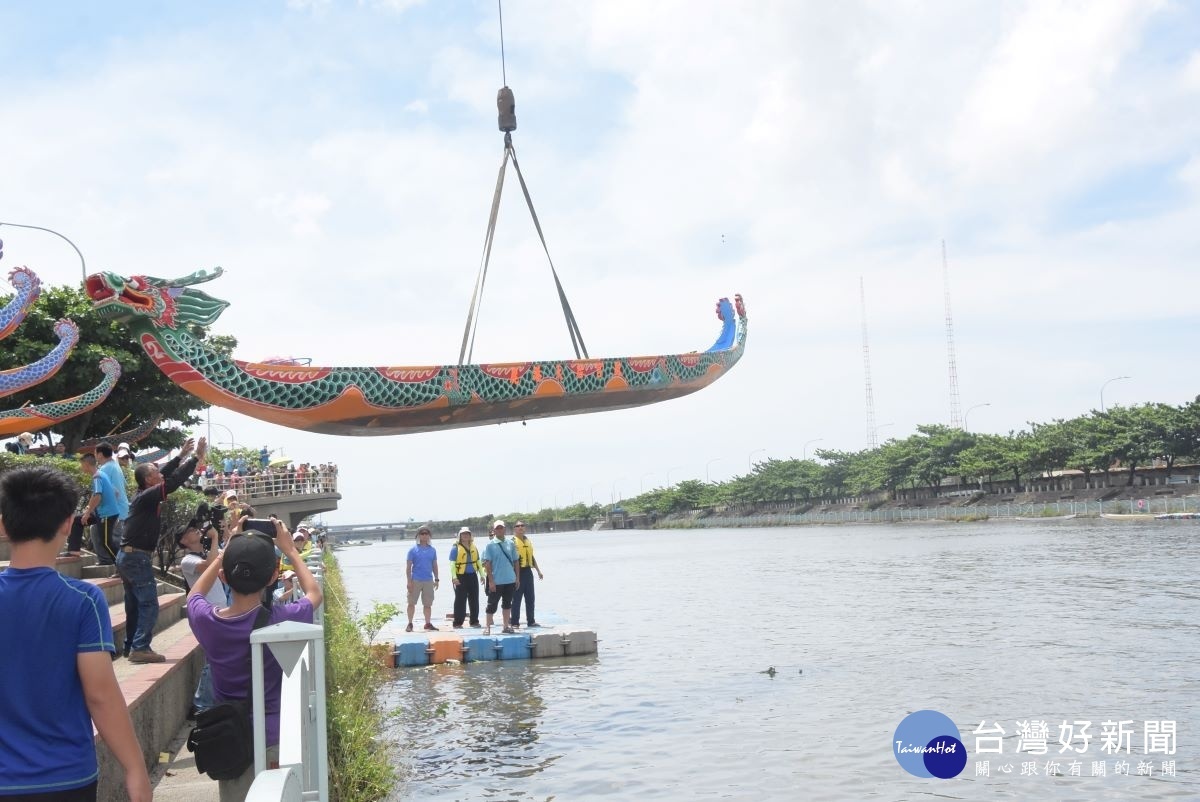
x=303 y=772
x=259 y=485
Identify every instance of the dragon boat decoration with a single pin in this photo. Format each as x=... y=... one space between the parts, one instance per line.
x=395 y=400
x=130 y=437
x=33 y=417
x=29 y=289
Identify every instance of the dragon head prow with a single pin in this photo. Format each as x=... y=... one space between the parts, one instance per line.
x=167 y=303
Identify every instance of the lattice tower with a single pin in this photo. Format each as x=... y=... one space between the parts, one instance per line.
x=872 y=432
x=955 y=404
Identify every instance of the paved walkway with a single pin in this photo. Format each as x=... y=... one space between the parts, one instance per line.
x=176 y=778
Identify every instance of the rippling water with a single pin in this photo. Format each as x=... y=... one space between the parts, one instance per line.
x=1052 y=620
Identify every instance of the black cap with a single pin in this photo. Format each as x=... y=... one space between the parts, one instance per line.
x=249 y=562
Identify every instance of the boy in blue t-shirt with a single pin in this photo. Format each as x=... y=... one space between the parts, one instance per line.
x=58 y=677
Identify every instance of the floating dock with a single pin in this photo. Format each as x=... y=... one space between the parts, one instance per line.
x=472 y=646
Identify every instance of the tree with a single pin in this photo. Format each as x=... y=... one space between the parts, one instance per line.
x=142 y=392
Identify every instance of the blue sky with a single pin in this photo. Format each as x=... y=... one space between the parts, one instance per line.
x=338 y=158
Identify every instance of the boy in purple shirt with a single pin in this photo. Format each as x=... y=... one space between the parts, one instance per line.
x=248 y=565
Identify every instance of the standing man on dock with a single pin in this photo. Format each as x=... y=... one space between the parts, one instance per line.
x=464 y=573
x=528 y=564
x=500 y=561
x=422 y=572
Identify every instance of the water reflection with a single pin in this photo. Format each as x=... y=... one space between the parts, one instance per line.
x=995 y=621
x=458 y=726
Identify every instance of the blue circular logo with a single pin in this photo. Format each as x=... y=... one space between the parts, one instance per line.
x=928 y=744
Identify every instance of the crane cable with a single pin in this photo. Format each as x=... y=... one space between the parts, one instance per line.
x=507 y=120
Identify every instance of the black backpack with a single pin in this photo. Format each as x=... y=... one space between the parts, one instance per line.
x=222 y=739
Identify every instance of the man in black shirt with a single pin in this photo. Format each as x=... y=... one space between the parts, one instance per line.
x=139 y=542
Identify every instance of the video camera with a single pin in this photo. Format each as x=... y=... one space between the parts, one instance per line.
x=208 y=515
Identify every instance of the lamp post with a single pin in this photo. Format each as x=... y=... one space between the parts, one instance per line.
x=967 y=415
x=642 y=484
x=612 y=498
x=881 y=426
x=676 y=468
x=708 y=464
x=228 y=431
x=750 y=458
x=1110 y=381
x=804 y=450
x=82 y=261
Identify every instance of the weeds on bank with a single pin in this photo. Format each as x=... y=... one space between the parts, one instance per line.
x=359 y=765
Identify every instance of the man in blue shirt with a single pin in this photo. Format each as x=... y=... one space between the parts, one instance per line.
x=106 y=532
x=422 y=572
x=58 y=678
x=101 y=506
x=500 y=561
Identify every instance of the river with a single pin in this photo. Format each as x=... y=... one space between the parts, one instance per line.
x=991 y=623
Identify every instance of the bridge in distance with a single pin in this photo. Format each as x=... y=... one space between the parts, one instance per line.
x=384 y=531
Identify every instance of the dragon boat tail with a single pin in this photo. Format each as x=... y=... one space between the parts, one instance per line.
x=368 y=401
x=34 y=417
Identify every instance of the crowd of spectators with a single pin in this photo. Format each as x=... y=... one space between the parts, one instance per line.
x=280 y=480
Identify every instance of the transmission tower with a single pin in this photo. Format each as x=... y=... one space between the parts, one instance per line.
x=955 y=406
x=872 y=432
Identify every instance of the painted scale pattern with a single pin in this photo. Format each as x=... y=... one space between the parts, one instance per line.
x=159 y=310
x=26 y=376
x=39 y=416
x=29 y=289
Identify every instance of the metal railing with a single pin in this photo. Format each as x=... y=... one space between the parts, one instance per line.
x=257 y=485
x=303 y=772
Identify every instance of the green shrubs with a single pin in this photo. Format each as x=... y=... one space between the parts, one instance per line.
x=359 y=765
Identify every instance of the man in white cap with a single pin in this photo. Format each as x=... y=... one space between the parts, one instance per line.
x=464 y=573
x=500 y=561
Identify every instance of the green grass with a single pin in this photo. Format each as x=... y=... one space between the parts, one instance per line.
x=359 y=765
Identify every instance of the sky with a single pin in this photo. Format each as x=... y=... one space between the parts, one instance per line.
x=338 y=160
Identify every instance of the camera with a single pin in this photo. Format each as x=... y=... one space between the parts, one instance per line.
x=208 y=515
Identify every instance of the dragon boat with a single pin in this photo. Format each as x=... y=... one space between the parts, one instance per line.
x=29 y=288
x=367 y=401
x=32 y=417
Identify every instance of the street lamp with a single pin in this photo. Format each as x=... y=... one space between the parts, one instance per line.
x=612 y=499
x=82 y=261
x=967 y=415
x=676 y=468
x=1110 y=381
x=881 y=426
x=804 y=451
x=750 y=458
x=708 y=478
x=228 y=431
x=642 y=484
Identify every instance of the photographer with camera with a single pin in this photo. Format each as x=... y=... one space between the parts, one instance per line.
x=249 y=565
x=197 y=538
x=139 y=541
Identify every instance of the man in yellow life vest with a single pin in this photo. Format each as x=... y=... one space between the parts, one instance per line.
x=524 y=590
x=465 y=573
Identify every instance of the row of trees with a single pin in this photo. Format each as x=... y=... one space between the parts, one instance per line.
x=1120 y=439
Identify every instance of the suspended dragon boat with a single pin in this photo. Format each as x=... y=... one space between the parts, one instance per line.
x=32 y=417
x=395 y=400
